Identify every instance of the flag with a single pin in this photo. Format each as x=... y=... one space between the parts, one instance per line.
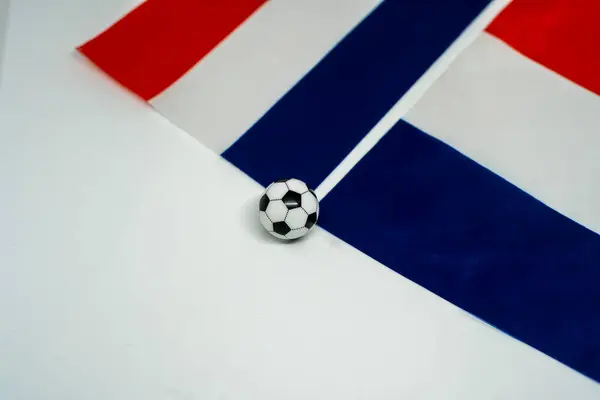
x=487 y=190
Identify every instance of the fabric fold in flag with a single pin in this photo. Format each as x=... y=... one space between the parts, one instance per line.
x=318 y=122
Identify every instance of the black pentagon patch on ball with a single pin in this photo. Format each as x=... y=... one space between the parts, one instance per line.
x=282 y=180
x=263 y=203
x=292 y=200
x=311 y=220
x=281 y=227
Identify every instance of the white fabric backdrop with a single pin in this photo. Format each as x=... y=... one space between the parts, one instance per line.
x=3 y=22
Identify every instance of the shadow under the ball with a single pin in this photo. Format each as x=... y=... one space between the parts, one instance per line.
x=252 y=223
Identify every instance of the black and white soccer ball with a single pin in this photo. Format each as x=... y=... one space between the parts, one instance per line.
x=288 y=209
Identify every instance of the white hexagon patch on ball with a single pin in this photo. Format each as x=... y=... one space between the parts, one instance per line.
x=288 y=209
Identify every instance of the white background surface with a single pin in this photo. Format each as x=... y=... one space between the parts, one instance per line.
x=132 y=265
x=3 y=21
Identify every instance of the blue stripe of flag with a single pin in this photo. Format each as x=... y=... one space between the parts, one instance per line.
x=452 y=226
x=316 y=124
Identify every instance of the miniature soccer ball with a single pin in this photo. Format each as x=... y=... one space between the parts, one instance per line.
x=288 y=209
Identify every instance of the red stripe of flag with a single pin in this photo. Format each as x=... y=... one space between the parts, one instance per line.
x=562 y=35
x=159 y=41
